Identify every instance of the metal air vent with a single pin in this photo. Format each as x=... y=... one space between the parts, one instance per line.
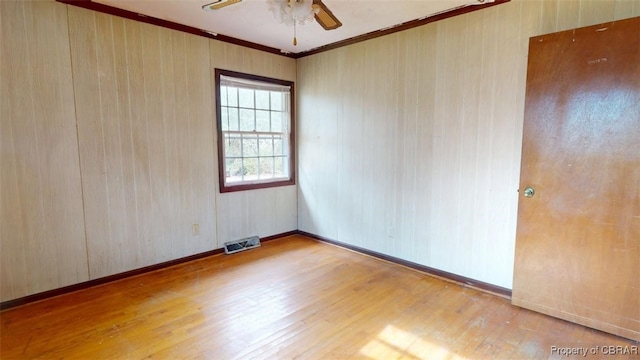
x=231 y=247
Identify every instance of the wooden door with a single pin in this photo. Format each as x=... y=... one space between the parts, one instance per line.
x=578 y=236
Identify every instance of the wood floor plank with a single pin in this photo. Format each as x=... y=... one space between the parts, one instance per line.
x=292 y=298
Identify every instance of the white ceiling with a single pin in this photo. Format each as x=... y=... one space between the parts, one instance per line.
x=252 y=21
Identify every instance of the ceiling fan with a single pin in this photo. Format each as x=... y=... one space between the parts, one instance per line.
x=322 y=14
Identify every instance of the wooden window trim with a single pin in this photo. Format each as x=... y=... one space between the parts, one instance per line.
x=292 y=144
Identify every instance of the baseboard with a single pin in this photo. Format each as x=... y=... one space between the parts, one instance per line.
x=107 y=279
x=464 y=281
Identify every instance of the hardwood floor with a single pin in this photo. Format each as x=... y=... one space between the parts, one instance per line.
x=291 y=298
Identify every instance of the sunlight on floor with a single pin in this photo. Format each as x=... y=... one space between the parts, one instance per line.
x=394 y=343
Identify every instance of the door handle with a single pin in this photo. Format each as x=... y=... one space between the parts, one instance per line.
x=529 y=192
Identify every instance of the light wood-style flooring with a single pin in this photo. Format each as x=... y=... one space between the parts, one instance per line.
x=292 y=298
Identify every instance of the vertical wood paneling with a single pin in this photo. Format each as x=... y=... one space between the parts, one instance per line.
x=449 y=185
x=425 y=88
x=311 y=135
x=507 y=104
x=568 y=14
x=261 y=212
x=596 y=11
x=202 y=140
x=626 y=8
x=345 y=200
x=145 y=132
x=428 y=127
x=141 y=160
x=41 y=221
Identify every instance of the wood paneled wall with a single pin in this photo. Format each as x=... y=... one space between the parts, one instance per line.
x=409 y=144
x=145 y=132
x=42 y=233
x=108 y=147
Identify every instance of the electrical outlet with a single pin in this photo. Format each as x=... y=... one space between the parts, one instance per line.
x=195 y=229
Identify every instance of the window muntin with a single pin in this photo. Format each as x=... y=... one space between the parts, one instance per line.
x=255 y=128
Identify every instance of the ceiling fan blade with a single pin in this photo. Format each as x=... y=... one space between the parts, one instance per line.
x=219 y=4
x=325 y=17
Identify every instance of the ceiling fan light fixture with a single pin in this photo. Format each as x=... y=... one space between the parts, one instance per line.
x=219 y=4
x=290 y=12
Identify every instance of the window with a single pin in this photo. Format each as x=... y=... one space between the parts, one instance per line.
x=256 y=146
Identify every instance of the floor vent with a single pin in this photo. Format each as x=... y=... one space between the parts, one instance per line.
x=231 y=247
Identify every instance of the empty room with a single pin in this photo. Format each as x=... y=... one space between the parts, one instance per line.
x=319 y=179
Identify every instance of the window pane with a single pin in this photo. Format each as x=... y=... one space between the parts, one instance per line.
x=276 y=121
x=262 y=99
x=234 y=170
x=223 y=96
x=266 y=146
x=232 y=96
x=249 y=146
x=277 y=101
x=247 y=120
x=233 y=119
x=232 y=146
x=266 y=167
x=280 y=170
x=262 y=121
x=246 y=98
x=277 y=147
x=251 y=168
x=224 y=118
